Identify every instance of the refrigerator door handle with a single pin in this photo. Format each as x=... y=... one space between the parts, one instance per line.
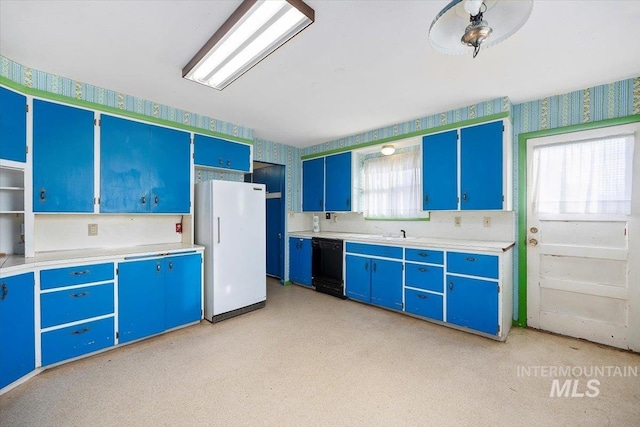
x=218 y=229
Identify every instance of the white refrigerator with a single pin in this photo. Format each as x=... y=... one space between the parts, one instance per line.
x=230 y=222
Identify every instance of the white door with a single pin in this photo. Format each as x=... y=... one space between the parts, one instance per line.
x=582 y=258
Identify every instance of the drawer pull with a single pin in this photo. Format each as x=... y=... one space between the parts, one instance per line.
x=80 y=295
x=422 y=269
x=5 y=291
x=423 y=254
x=423 y=296
x=80 y=331
x=80 y=273
x=471 y=259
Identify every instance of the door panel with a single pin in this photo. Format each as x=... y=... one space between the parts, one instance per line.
x=473 y=303
x=440 y=171
x=313 y=185
x=481 y=166
x=124 y=174
x=338 y=182
x=386 y=283
x=183 y=295
x=13 y=125
x=358 y=278
x=141 y=299
x=62 y=158
x=579 y=277
x=169 y=170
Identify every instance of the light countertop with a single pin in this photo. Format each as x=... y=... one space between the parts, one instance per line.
x=15 y=263
x=418 y=242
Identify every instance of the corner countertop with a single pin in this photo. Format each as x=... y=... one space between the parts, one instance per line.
x=418 y=242
x=16 y=263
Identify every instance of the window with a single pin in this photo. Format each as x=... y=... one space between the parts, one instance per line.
x=584 y=177
x=391 y=185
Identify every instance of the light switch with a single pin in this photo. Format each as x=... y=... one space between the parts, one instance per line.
x=93 y=229
x=457 y=221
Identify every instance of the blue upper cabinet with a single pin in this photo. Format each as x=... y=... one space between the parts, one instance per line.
x=313 y=185
x=440 y=171
x=143 y=168
x=13 y=126
x=63 y=156
x=222 y=154
x=169 y=171
x=481 y=167
x=338 y=182
x=124 y=176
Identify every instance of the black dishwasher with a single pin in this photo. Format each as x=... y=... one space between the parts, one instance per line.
x=326 y=267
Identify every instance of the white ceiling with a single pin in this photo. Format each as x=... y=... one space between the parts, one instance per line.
x=360 y=66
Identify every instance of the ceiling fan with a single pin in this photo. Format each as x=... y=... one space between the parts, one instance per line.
x=464 y=24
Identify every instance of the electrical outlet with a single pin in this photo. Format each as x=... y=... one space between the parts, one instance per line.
x=457 y=221
x=93 y=229
x=327 y=215
x=178 y=227
x=487 y=221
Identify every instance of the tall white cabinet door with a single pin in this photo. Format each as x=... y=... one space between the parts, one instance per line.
x=239 y=245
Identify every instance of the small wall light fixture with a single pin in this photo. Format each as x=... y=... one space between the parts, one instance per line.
x=388 y=150
x=252 y=32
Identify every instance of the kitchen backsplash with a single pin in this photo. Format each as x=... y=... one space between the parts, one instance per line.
x=440 y=225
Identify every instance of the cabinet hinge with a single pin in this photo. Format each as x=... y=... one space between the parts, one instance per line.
x=498 y=328
x=26 y=149
x=27 y=108
x=117 y=271
x=97 y=122
x=458 y=137
x=502 y=128
x=117 y=335
x=498 y=288
x=96 y=200
x=503 y=198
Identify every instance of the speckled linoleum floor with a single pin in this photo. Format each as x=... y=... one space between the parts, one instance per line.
x=311 y=359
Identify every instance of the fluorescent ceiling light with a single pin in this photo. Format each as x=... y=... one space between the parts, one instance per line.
x=252 y=32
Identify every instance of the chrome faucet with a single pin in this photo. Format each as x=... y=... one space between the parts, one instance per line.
x=404 y=234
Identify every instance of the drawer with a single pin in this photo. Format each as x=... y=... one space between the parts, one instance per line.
x=76 y=304
x=423 y=304
x=77 y=340
x=424 y=255
x=375 y=250
x=77 y=275
x=472 y=264
x=424 y=277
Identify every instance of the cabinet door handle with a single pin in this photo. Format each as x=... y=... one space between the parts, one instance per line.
x=426 y=198
x=451 y=286
x=464 y=196
x=170 y=265
x=5 y=291
x=80 y=295
x=423 y=269
x=470 y=259
x=80 y=331
x=158 y=267
x=42 y=195
x=144 y=199
x=80 y=273
x=374 y=266
x=155 y=200
x=421 y=296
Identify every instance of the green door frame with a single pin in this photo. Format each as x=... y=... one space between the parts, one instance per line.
x=523 y=140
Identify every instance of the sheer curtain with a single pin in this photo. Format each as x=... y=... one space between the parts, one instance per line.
x=392 y=186
x=584 y=177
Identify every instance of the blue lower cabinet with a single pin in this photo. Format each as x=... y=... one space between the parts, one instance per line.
x=424 y=304
x=183 y=291
x=375 y=281
x=386 y=283
x=17 y=328
x=473 y=303
x=358 y=278
x=141 y=299
x=300 y=261
x=76 y=340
